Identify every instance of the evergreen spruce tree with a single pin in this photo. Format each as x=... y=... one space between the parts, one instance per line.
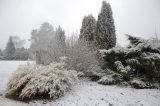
x=87 y=31
x=10 y=49
x=105 y=31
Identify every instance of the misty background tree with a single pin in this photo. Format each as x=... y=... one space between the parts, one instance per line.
x=41 y=37
x=9 y=50
x=18 y=42
x=21 y=54
x=57 y=45
x=1 y=53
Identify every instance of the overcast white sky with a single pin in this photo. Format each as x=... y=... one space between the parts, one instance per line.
x=19 y=17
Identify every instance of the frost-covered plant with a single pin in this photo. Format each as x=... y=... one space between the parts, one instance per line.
x=19 y=79
x=141 y=59
x=120 y=67
x=139 y=84
x=114 y=54
x=36 y=82
x=133 y=62
x=107 y=80
x=95 y=72
x=151 y=63
x=134 y=41
x=124 y=71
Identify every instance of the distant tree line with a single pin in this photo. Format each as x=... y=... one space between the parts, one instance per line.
x=14 y=50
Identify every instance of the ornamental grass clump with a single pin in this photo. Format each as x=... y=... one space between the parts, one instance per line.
x=40 y=82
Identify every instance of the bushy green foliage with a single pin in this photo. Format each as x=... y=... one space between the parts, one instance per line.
x=134 y=40
x=124 y=71
x=139 y=60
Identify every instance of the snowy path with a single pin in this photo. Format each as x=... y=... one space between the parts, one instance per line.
x=87 y=93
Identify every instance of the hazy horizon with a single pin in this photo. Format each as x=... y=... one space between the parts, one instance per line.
x=20 y=17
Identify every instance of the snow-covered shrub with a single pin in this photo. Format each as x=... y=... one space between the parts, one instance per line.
x=134 y=41
x=133 y=62
x=112 y=55
x=139 y=84
x=107 y=80
x=95 y=72
x=124 y=71
x=128 y=68
x=110 y=77
x=36 y=82
x=141 y=48
x=120 y=66
x=19 y=79
x=80 y=74
x=140 y=60
x=151 y=63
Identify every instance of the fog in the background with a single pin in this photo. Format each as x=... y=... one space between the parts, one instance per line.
x=18 y=17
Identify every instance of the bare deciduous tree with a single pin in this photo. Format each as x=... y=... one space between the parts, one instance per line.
x=80 y=54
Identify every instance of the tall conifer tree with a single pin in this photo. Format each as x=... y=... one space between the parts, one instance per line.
x=105 y=31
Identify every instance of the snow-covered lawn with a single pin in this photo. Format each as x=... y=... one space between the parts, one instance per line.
x=6 y=69
x=84 y=93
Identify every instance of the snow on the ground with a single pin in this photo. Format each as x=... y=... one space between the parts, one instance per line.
x=85 y=93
